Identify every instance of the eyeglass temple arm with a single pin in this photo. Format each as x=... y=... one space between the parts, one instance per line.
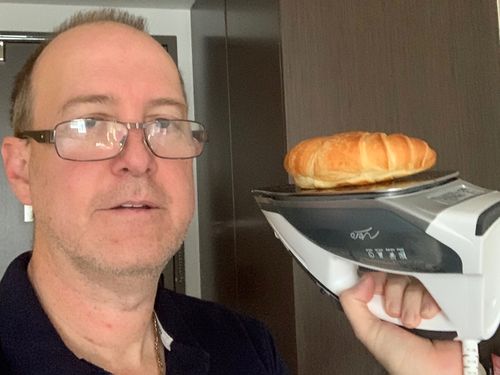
x=200 y=135
x=41 y=136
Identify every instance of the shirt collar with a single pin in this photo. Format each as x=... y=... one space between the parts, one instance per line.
x=165 y=338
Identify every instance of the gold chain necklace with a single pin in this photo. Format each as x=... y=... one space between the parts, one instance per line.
x=159 y=360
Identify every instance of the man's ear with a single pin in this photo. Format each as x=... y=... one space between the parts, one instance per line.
x=16 y=154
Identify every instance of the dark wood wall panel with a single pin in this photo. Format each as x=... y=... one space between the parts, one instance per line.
x=428 y=68
x=258 y=144
x=238 y=94
x=215 y=187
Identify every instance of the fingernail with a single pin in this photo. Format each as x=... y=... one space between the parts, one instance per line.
x=426 y=311
x=410 y=320
x=394 y=309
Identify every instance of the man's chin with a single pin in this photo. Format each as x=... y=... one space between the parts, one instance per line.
x=136 y=271
x=120 y=268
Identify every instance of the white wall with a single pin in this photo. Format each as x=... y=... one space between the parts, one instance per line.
x=43 y=18
x=498 y=14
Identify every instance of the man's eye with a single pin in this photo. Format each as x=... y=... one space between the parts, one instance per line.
x=89 y=124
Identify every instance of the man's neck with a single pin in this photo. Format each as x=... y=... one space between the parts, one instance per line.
x=107 y=322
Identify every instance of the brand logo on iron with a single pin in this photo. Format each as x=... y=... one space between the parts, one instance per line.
x=363 y=234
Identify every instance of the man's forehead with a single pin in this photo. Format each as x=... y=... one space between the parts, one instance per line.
x=80 y=64
x=96 y=38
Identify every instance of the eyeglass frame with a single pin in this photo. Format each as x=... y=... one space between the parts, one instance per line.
x=48 y=136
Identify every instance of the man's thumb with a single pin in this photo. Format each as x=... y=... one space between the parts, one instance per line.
x=354 y=302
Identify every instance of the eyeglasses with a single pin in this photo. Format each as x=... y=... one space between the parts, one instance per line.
x=90 y=139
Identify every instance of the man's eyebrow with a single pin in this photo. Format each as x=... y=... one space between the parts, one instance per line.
x=87 y=99
x=106 y=99
x=170 y=102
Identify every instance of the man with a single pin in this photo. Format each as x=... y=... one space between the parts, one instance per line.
x=108 y=221
x=103 y=154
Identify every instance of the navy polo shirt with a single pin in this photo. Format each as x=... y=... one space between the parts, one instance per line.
x=207 y=338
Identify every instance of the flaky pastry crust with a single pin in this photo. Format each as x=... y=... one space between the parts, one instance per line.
x=356 y=158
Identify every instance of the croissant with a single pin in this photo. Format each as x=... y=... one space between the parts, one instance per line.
x=356 y=158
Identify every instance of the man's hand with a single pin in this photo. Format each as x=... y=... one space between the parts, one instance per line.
x=398 y=350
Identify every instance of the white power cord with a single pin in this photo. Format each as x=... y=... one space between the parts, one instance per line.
x=470 y=357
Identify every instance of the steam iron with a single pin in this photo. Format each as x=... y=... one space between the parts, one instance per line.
x=433 y=226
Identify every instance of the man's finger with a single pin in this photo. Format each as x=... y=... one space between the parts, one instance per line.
x=429 y=307
x=394 y=291
x=412 y=304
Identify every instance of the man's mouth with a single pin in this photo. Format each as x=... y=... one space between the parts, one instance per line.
x=135 y=206
x=132 y=205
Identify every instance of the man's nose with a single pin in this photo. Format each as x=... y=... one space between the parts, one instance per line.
x=136 y=158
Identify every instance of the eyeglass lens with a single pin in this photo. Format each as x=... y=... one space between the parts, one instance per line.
x=90 y=139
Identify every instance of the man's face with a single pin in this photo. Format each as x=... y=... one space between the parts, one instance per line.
x=129 y=214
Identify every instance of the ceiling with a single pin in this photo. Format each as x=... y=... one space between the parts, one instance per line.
x=160 y=4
